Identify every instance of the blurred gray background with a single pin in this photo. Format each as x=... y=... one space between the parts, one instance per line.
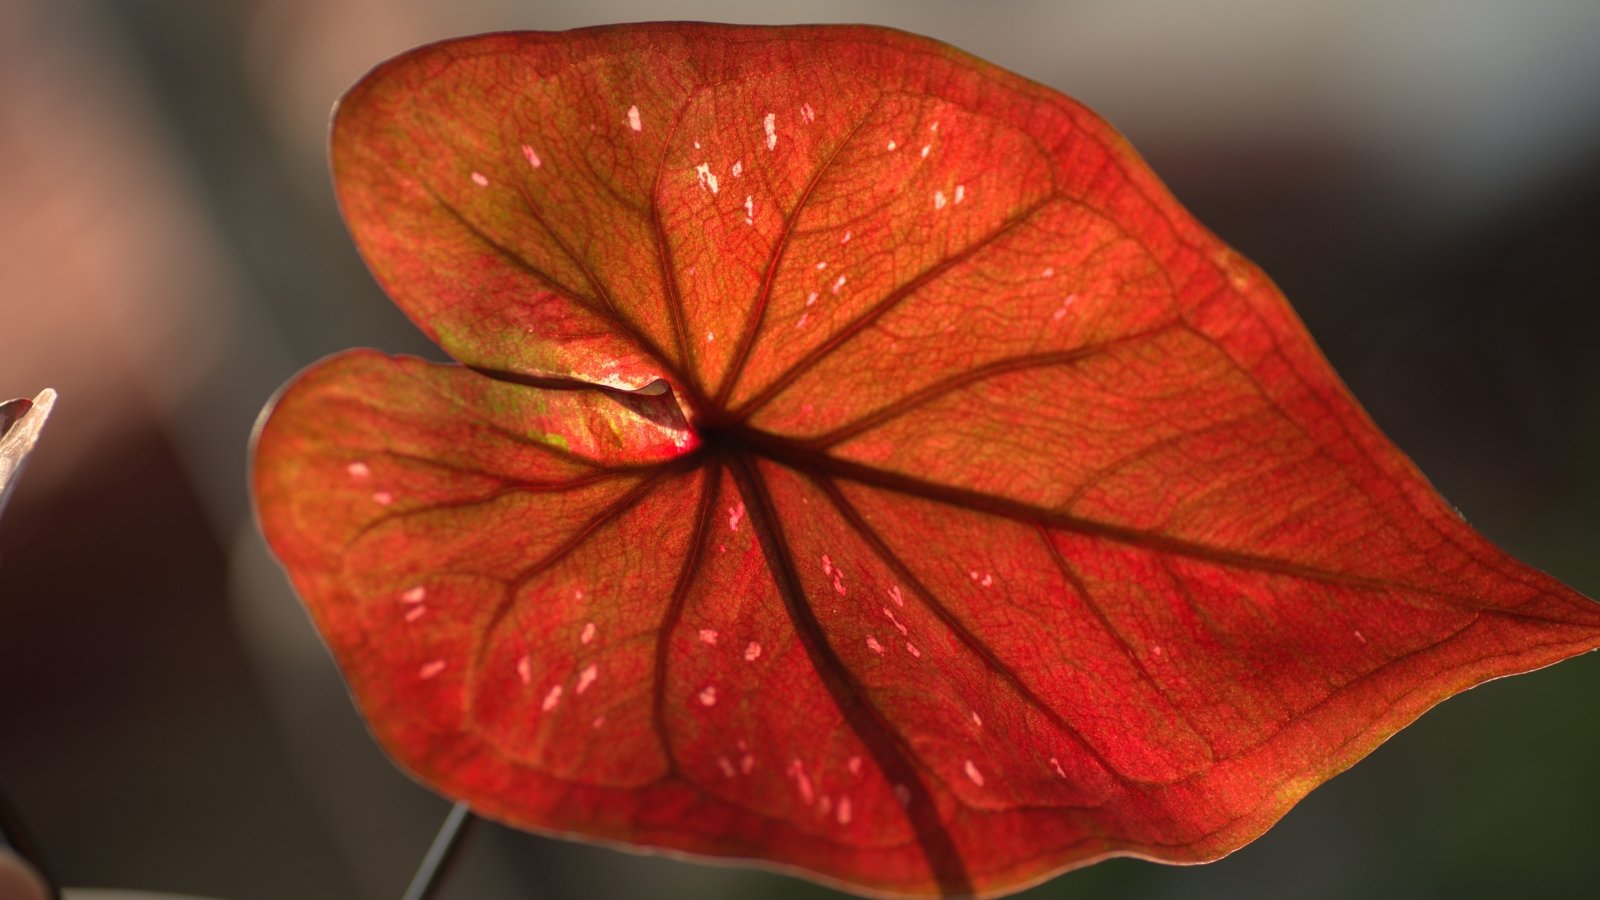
x=1421 y=178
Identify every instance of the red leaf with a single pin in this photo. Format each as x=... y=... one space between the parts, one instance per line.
x=1013 y=520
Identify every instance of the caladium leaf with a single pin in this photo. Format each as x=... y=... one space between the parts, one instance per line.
x=858 y=462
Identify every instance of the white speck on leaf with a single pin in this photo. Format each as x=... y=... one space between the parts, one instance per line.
x=973 y=773
x=890 y=613
x=587 y=677
x=802 y=782
x=707 y=180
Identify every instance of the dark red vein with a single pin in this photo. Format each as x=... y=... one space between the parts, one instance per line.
x=680 y=592
x=786 y=452
x=964 y=634
x=769 y=276
x=878 y=310
x=516 y=259
x=671 y=293
x=888 y=748
x=475 y=414
x=1078 y=586
x=952 y=383
x=595 y=285
x=471 y=502
x=578 y=537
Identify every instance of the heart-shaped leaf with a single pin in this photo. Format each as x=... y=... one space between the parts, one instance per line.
x=859 y=463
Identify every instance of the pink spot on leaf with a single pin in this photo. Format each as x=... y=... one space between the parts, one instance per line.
x=973 y=773
x=587 y=677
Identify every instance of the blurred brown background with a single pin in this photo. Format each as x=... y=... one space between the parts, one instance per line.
x=1422 y=178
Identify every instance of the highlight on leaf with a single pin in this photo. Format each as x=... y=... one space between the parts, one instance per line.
x=857 y=462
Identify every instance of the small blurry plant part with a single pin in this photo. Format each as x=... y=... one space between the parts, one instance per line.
x=20 y=423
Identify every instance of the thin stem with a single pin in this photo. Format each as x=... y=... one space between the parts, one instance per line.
x=444 y=847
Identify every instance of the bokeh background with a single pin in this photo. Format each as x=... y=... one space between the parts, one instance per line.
x=1422 y=179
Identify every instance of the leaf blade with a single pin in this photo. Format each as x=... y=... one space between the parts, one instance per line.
x=1055 y=517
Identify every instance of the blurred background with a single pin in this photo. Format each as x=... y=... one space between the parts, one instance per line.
x=1421 y=178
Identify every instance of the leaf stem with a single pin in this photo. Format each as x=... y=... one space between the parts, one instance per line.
x=440 y=853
